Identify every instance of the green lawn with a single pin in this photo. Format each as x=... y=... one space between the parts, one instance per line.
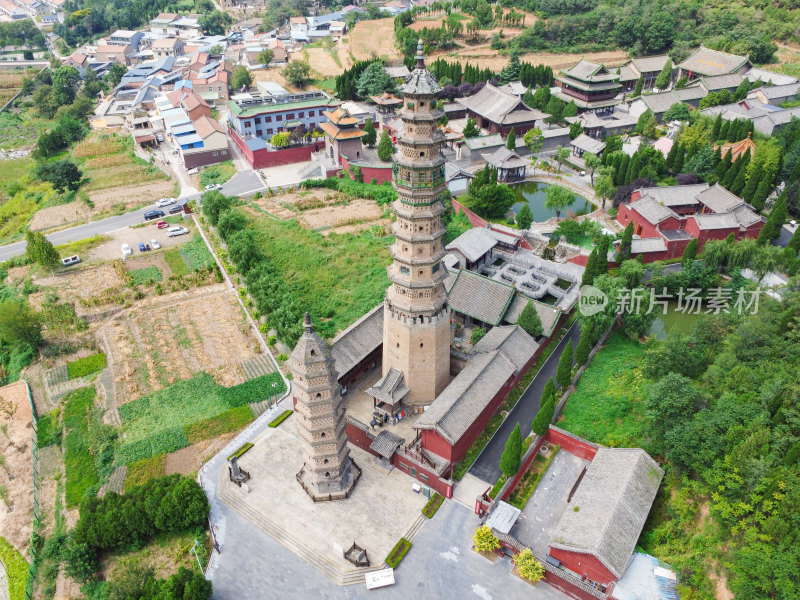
x=219 y=173
x=88 y=365
x=167 y=420
x=608 y=405
x=79 y=463
x=337 y=278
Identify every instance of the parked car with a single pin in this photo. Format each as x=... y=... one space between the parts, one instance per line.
x=162 y=224
x=173 y=231
x=70 y=260
x=175 y=210
x=165 y=202
x=126 y=250
x=142 y=247
x=154 y=244
x=159 y=137
x=213 y=186
x=153 y=214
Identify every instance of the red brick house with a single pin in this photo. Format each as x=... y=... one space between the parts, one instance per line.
x=665 y=219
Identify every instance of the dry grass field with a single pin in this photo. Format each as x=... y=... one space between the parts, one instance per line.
x=373 y=39
x=164 y=339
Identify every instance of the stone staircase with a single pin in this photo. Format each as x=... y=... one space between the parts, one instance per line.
x=320 y=562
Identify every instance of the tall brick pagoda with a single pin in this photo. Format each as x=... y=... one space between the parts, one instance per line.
x=328 y=473
x=416 y=332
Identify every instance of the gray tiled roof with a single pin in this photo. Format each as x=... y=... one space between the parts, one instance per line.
x=719 y=200
x=693 y=92
x=353 y=344
x=652 y=210
x=503 y=158
x=389 y=388
x=712 y=62
x=650 y=64
x=386 y=443
x=722 y=82
x=640 y=246
x=716 y=221
x=588 y=144
x=500 y=107
x=480 y=297
x=675 y=195
x=755 y=74
x=548 y=314
x=460 y=403
x=485 y=141
x=473 y=243
x=614 y=498
x=780 y=91
x=660 y=103
x=511 y=340
x=493 y=361
x=626 y=73
x=746 y=217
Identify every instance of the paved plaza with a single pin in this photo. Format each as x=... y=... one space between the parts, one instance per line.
x=382 y=508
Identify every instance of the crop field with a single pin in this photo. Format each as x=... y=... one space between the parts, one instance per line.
x=165 y=339
x=166 y=420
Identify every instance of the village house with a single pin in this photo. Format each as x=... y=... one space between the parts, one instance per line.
x=164 y=47
x=705 y=62
x=190 y=102
x=124 y=37
x=665 y=219
x=591 y=86
x=500 y=112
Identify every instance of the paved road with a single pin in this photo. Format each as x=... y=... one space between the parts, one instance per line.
x=80 y=232
x=244 y=183
x=487 y=465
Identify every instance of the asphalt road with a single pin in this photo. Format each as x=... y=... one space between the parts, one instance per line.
x=81 y=232
x=244 y=183
x=487 y=465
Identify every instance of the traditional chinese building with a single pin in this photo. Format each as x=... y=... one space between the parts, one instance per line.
x=416 y=333
x=342 y=135
x=328 y=472
x=591 y=86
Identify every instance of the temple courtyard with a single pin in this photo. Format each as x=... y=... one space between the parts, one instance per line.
x=381 y=509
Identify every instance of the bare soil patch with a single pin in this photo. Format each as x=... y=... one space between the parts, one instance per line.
x=17 y=475
x=55 y=216
x=484 y=56
x=323 y=63
x=350 y=214
x=127 y=195
x=187 y=461
x=374 y=39
x=168 y=338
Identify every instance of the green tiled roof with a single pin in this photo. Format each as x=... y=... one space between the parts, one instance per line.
x=260 y=109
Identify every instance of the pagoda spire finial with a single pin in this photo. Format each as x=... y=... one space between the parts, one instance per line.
x=420 y=58
x=307 y=324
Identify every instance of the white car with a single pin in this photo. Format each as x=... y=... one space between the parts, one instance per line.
x=213 y=186
x=154 y=244
x=173 y=231
x=165 y=202
x=126 y=250
x=70 y=260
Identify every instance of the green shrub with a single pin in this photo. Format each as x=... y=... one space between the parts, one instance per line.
x=16 y=570
x=241 y=450
x=432 y=505
x=79 y=464
x=231 y=420
x=142 y=471
x=146 y=275
x=48 y=429
x=397 y=553
x=88 y=365
x=497 y=486
x=280 y=418
x=484 y=540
